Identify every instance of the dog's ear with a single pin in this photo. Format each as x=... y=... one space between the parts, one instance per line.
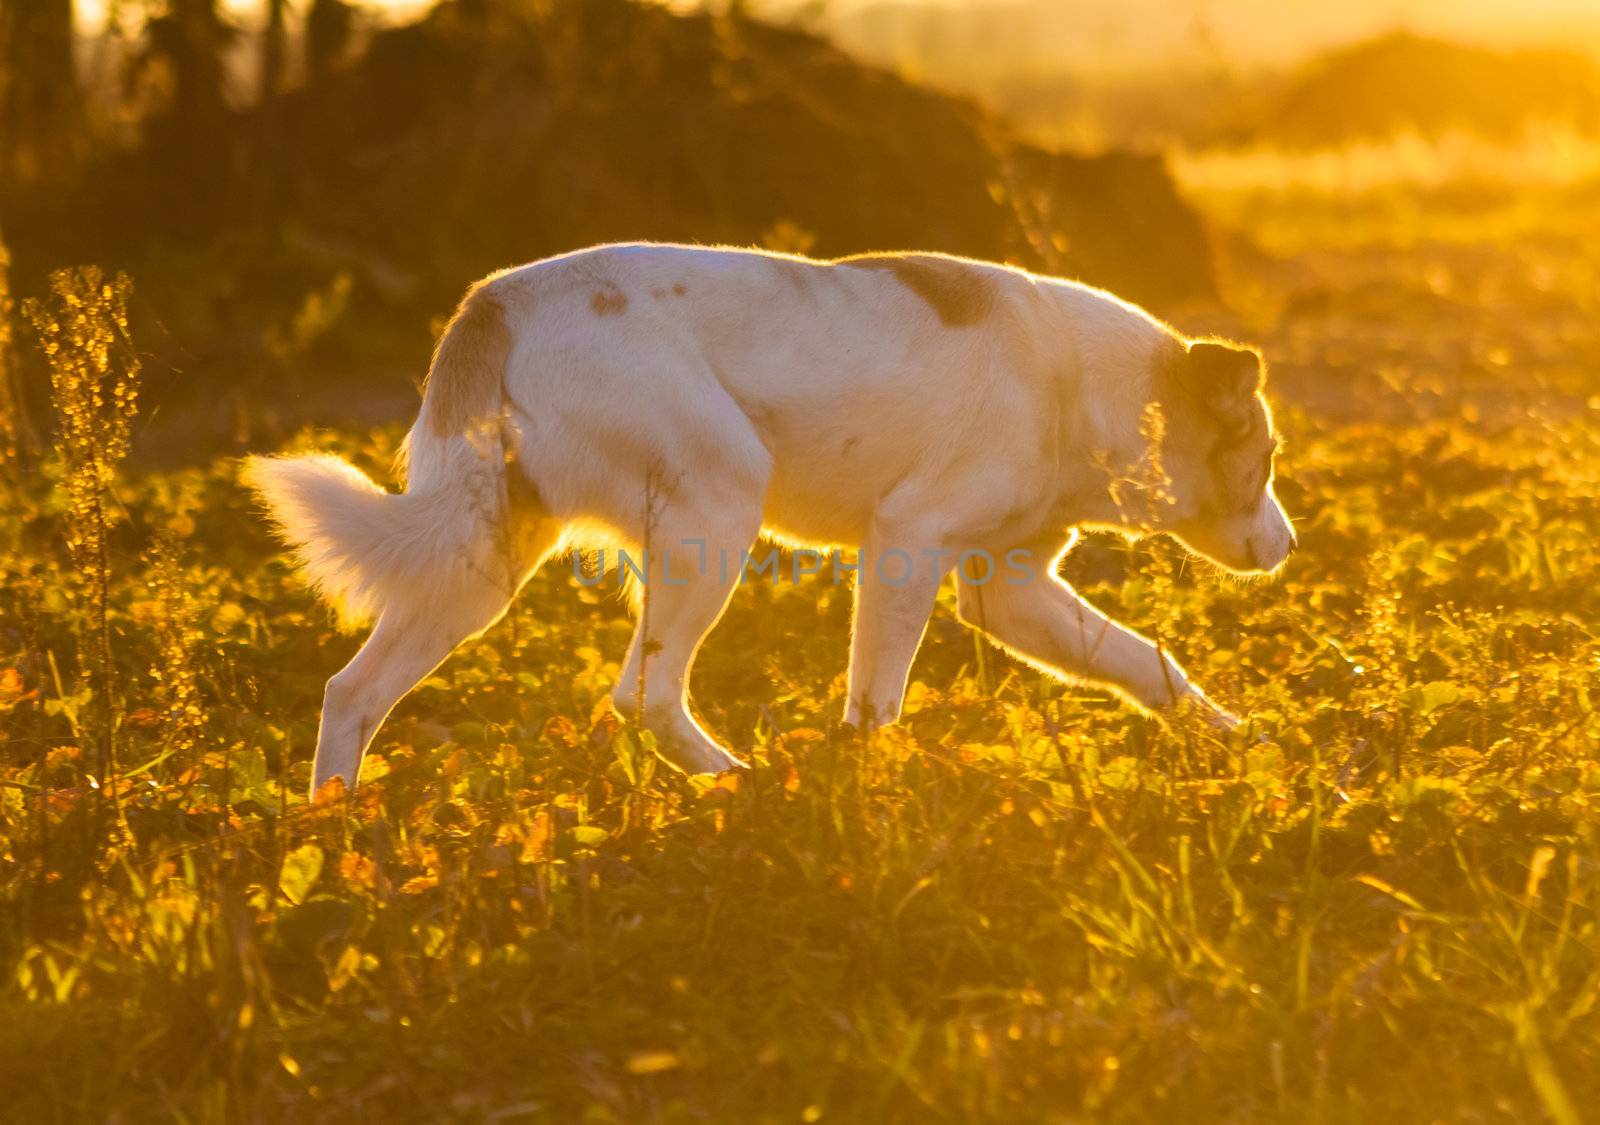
x=1225 y=378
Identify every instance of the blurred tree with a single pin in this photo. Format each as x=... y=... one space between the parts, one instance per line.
x=329 y=24
x=273 y=37
x=188 y=41
x=269 y=157
x=187 y=134
x=41 y=106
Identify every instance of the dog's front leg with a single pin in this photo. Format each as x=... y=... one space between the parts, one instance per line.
x=1046 y=623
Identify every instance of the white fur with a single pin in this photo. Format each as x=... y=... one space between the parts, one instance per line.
x=741 y=393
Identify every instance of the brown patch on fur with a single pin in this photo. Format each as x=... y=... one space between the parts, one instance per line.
x=1226 y=378
x=609 y=301
x=1215 y=406
x=1235 y=462
x=463 y=388
x=679 y=289
x=958 y=293
x=1209 y=387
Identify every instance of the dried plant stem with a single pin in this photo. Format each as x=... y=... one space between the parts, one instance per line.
x=94 y=382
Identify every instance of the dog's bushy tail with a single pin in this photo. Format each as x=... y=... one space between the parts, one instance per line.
x=364 y=548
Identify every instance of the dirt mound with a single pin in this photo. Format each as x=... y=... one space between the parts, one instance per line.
x=462 y=142
x=454 y=147
x=1404 y=82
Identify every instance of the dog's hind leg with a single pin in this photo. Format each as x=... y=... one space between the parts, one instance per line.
x=412 y=638
x=696 y=555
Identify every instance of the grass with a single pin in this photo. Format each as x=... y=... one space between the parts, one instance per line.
x=1025 y=903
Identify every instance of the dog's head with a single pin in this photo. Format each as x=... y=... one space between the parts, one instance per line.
x=1218 y=453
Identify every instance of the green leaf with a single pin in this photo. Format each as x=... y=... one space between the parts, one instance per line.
x=589 y=835
x=1432 y=696
x=637 y=757
x=301 y=868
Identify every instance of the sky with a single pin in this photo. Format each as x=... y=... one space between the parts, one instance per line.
x=1257 y=27
x=1099 y=35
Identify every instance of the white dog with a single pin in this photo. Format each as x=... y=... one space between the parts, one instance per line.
x=683 y=401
